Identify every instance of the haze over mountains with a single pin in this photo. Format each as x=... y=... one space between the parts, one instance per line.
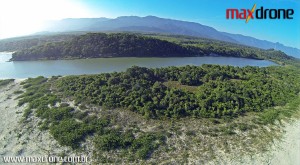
x=152 y=24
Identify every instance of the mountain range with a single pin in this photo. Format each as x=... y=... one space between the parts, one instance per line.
x=152 y=24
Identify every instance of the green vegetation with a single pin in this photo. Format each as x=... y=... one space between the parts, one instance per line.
x=142 y=146
x=221 y=48
x=132 y=116
x=207 y=91
x=18 y=92
x=6 y=82
x=20 y=43
x=271 y=115
x=70 y=127
x=94 y=45
x=170 y=99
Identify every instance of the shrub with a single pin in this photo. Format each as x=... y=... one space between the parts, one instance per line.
x=6 y=82
x=108 y=141
x=70 y=132
x=18 y=92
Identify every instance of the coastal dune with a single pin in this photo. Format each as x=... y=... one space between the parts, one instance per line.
x=288 y=151
x=18 y=138
x=284 y=151
x=25 y=139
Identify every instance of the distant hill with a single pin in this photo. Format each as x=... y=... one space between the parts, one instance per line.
x=73 y=24
x=250 y=41
x=154 y=24
x=140 y=24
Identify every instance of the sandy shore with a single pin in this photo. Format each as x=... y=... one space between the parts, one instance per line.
x=285 y=151
x=19 y=139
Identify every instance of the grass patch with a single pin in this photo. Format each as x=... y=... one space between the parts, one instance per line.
x=178 y=85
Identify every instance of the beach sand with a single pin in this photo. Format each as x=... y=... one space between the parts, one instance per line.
x=17 y=138
x=285 y=151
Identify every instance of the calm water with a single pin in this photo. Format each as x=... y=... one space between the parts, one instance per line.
x=25 y=69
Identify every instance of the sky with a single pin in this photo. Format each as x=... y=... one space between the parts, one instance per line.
x=20 y=17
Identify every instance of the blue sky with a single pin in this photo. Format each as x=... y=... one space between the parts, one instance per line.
x=33 y=15
x=208 y=12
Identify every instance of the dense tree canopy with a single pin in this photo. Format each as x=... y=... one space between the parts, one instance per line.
x=20 y=43
x=94 y=45
x=166 y=92
x=221 y=48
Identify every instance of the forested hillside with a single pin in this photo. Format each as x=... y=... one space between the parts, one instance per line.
x=221 y=48
x=20 y=43
x=93 y=45
x=153 y=24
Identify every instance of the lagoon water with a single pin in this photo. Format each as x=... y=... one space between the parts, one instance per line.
x=25 y=69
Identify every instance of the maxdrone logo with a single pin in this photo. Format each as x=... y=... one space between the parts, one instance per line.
x=260 y=13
